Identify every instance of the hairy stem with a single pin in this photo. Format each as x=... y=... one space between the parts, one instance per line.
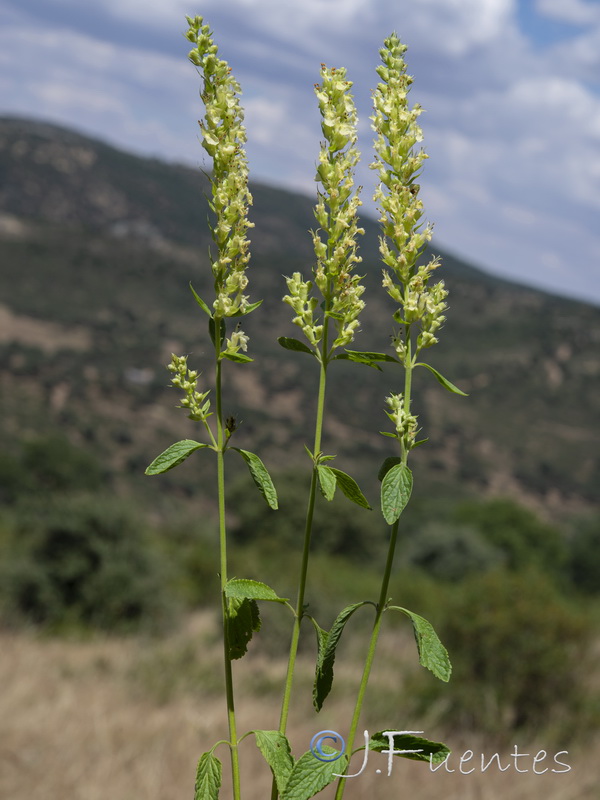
x=385 y=583
x=287 y=694
x=235 y=766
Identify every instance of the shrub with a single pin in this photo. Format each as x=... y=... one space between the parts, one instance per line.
x=78 y=560
x=520 y=652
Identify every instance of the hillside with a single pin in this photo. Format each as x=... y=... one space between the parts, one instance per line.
x=97 y=248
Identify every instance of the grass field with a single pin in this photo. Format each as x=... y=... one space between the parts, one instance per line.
x=127 y=718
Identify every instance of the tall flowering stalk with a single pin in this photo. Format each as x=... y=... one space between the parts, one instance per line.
x=419 y=316
x=335 y=325
x=223 y=138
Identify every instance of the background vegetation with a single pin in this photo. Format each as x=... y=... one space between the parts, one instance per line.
x=500 y=545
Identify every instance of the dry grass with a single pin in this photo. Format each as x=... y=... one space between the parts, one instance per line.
x=127 y=719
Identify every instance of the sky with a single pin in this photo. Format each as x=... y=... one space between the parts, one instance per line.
x=510 y=88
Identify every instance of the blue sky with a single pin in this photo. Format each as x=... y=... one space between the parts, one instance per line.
x=511 y=90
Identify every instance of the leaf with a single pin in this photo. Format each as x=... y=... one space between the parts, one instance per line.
x=309 y=776
x=288 y=343
x=249 y=309
x=389 y=462
x=371 y=355
x=212 y=329
x=173 y=456
x=434 y=751
x=432 y=653
x=327 y=481
x=260 y=476
x=444 y=381
x=201 y=302
x=395 y=492
x=357 y=359
x=277 y=753
x=239 y=358
x=208 y=778
x=350 y=488
x=327 y=643
x=367 y=357
x=240 y=588
x=243 y=620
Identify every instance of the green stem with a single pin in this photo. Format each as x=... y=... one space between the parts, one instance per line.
x=385 y=583
x=299 y=613
x=383 y=597
x=221 y=440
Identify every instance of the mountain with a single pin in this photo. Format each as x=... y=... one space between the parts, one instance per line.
x=97 y=248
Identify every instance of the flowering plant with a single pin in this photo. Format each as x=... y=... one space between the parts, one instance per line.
x=327 y=311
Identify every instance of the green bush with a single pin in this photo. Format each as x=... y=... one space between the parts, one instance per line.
x=521 y=656
x=47 y=464
x=523 y=538
x=80 y=560
x=450 y=552
x=584 y=556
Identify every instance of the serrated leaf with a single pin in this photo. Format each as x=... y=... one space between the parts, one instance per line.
x=212 y=329
x=432 y=653
x=309 y=776
x=261 y=477
x=201 y=302
x=350 y=488
x=289 y=343
x=444 y=381
x=243 y=620
x=395 y=492
x=241 y=588
x=208 y=778
x=277 y=753
x=327 y=643
x=389 y=462
x=173 y=456
x=239 y=358
x=327 y=481
x=436 y=752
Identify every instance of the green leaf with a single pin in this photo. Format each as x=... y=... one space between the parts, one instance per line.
x=371 y=355
x=309 y=775
x=327 y=481
x=249 y=309
x=327 y=644
x=432 y=653
x=239 y=358
x=208 y=778
x=444 y=381
x=434 y=751
x=173 y=456
x=201 y=302
x=288 y=343
x=357 y=358
x=350 y=488
x=389 y=462
x=260 y=476
x=212 y=330
x=395 y=492
x=243 y=620
x=277 y=753
x=241 y=588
